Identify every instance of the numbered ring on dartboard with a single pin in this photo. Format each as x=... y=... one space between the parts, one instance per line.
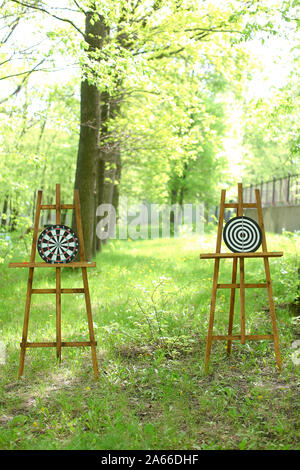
x=242 y=234
x=58 y=244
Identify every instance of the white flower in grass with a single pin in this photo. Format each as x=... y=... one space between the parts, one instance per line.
x=2 y=353
x=295 y=356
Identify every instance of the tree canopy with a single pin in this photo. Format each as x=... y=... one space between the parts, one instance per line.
x=137 y=97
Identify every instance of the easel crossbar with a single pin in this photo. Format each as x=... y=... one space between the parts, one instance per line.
x=74 y=264
x=237 y=286
x=53 y=344
x=256 y=254
x=53 y=206
x=79 y=290
x=238 y=337
x=246 y=205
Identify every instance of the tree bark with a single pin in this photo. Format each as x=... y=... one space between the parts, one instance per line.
x=110 y=149
x=100 y=165
x=4 y=212
x=116 y=192
x=99 y=195
x=13 y=215
x=88 y=149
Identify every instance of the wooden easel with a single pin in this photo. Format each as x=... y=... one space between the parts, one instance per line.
x=241 y=285
x=83 y=264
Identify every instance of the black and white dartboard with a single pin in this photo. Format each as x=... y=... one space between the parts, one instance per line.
x=242 y=234
x=58 y=244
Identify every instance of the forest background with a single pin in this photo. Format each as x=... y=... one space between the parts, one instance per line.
x=157 y=101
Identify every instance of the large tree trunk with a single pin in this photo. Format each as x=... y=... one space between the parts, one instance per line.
x=88 y=149
x=86 y=160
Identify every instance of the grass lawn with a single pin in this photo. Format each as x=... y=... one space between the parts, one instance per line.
x=150 y=302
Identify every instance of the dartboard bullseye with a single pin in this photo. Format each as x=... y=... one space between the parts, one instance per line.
x=58 y=244
x=242 y=234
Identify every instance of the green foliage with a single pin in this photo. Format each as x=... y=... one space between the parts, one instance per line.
x=271 y=136
x=5 y=246
x=173 y=70
x=38 y=148
x=171 y=135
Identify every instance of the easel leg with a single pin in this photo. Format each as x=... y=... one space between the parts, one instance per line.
x=211 y=315
x=268 y=279
x=90 y=322
x=58 y=314
x=272 y=313
x=242 y=300
x=58 y=283
x=232 y=300
x=29 y=285
x=26 y=322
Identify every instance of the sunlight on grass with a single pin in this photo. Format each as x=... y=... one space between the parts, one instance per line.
x=150 y=302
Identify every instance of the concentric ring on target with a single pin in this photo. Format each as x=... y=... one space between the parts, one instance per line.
x=58 y=244
x=242 y=234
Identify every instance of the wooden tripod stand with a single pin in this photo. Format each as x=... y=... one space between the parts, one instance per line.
x=83 y=264
x=241 y=285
